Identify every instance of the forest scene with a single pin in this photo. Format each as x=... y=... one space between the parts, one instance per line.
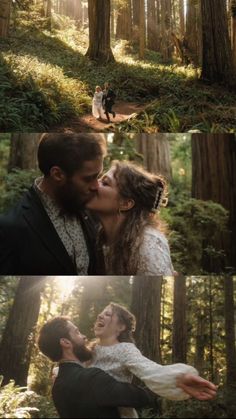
x=190 y=320
x=171 y=63
x=200 y=214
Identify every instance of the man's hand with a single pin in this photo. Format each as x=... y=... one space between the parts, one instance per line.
x=197 y=387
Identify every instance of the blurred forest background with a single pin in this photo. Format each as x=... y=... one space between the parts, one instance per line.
x=177 y=58
x=186 y=319
x=200 y=169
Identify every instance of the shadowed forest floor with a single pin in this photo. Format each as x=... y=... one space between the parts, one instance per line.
x=44 y=91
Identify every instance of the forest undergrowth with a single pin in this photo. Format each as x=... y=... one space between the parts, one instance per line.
x=45 y=79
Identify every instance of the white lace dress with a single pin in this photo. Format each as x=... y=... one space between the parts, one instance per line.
x=97 y=104
x=154 y=255
x=124 y=360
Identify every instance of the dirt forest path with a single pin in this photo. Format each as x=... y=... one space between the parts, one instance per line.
x=124 y=110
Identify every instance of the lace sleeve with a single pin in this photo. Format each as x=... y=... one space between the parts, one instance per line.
x=155 y=255
x=161 y=379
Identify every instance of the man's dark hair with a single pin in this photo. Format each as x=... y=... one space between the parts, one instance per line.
x=69 y=151
x=50 y=335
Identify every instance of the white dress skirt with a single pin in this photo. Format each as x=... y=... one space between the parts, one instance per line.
x=124 y=360
x=97 y=109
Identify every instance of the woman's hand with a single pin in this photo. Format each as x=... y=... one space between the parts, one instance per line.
x=197 y=387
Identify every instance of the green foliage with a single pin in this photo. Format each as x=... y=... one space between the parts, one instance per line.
x=4 y=153
x=16 y=183
x=7 y=293
x=121 y=147
x=193 y=224
x=46 y=79
x=18 y=402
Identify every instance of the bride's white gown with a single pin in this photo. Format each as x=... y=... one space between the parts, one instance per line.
x=124 y=360
x=97 y=109
x=154 y=255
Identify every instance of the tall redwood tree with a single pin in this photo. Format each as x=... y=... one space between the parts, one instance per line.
x=99 y=31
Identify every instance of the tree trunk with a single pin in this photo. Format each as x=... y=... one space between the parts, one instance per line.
x=230 y=347
x=99 y=31
x=193 y=34
x=18 y=337
x=152 y=25
x=201 y=341
x=142 y=31
x=49 y=8
x=158 y=23
x=146 y=306
x=155 y=149
x=78 y=11
x=112 y=19
x=217 y=62
x=211 y=338
x=124 y=21
x=23 y=151
x=214 y=178
x=136 y=12
x=5 y=17
x=179 y=340
x=181 y=18
x=94 y=299
x=233 y=31
x=166 y=42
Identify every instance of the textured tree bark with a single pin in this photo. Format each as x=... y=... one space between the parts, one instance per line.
x=214 y=178
x=217 y=61
x=94 y=299
x=179 y=340
x=146 y=303
x=155 y=149
x=151 y=25
x=99 y=31
x=166 y=42
x=18 y=336
x=201 y=341
x=124 y=21
x=181 y=18
x=5 y=17
x=136 y=11
x=230 y=346
x=23 y=151
x=142 y=29
x=233 y=31
x=193 y=34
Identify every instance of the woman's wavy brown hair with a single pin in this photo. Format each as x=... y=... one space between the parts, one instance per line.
x=134 y=182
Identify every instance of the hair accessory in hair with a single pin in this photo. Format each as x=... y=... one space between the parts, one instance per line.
x=160 y=201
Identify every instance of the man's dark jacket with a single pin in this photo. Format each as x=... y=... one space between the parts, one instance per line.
x=30 y=245
x=91 y=393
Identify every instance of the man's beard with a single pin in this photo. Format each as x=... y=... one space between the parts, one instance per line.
x=82 y=352
x=68 y=199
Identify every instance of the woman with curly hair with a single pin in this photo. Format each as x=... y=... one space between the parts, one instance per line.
x=116 y=354
x=132 y=235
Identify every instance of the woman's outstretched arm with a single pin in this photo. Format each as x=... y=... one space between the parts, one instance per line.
x=174 y=382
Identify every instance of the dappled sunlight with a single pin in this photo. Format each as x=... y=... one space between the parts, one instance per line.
x=65 y=96
x=58 y=82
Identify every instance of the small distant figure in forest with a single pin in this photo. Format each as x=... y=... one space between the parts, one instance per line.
x=97 y=105
x=109 y=97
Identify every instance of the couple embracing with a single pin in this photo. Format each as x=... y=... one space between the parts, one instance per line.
x=96 y=383
x=76 y=221
x=103 y=101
